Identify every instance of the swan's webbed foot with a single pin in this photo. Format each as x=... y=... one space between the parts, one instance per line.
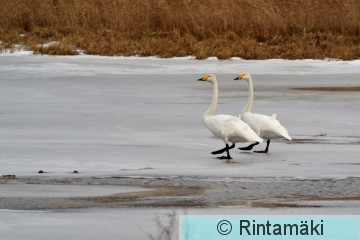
x=261 y=151
x=227 y=148
x=218 y=151
x=223 y=149
x=248 y=148
x=266 y=149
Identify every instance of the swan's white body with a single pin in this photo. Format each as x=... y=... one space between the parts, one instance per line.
x=226 y=127
x=230 y=129
x=267 y=127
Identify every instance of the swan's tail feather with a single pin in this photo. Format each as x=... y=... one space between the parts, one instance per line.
x=283 y=132
x=258 y=139
x=286 y=135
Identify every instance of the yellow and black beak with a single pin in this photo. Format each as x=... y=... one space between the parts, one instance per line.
x=241 y=76
x=203 y=78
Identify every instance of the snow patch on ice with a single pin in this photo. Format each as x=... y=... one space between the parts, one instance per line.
x=17 y=50
x=190 y=65
x=81 y=65
x=211 y=59
x=49 y=44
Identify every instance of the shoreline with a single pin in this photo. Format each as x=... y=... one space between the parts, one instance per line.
x=22 y=52
x=197 y=192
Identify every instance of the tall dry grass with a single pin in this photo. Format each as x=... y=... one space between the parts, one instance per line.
x=251 y=29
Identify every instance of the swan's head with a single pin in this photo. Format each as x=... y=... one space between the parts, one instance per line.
x=208 y=78
x=243 y=76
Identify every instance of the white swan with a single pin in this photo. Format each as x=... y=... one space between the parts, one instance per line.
x=265 y=126
x=226 y=127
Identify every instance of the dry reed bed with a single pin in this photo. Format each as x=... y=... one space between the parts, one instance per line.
x=251 y=29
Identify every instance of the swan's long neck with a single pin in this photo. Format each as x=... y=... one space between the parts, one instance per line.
x=213 y=105
x=249 y=103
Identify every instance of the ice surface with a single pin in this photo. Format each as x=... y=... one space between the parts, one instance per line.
x=134 y=224
x=142 y=116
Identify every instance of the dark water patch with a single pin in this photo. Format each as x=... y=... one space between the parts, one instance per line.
x=136 y=169
x=322 y=141
x=354 y=164
x=329 y=89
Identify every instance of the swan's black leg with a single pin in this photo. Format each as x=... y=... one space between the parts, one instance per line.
x=266 y=149
x=248 y=148
x=227 y=148
x=223 y=149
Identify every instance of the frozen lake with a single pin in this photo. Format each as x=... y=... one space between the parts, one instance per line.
x=141 y=118
x=127 y=224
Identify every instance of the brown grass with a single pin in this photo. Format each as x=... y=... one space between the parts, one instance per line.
x=250 y=29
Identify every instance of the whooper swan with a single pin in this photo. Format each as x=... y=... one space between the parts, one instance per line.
x=265 y=126
x=226 y=127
